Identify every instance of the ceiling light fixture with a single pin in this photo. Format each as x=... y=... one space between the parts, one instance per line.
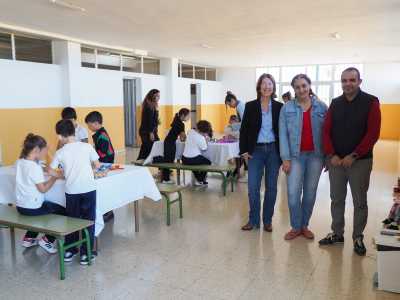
x=68 y=5
x=206 y=46
x=336 y=35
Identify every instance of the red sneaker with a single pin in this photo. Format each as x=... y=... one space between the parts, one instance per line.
x=292 y=234
x=308 y=234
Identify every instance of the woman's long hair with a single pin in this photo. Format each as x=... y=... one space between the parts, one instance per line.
x=150 y=99
x=183 y=112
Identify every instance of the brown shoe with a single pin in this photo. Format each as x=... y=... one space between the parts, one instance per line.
x=247 y=227
x=292 y=234
x=268 y=228
x=308 y=234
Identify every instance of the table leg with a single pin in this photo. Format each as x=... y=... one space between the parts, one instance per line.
x=61 y=253
x=136 y=210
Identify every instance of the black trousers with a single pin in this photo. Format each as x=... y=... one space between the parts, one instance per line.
x=147 y=144
x=197 y=160
x=81 y=206
x=169 y=157
x=46 y=208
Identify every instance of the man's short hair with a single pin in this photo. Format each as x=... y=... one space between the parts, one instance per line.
x=353 y=69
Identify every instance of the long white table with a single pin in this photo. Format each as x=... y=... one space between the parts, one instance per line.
x=118 y=188
x=218 y=153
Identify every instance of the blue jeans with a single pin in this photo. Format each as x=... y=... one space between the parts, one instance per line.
x=302 y=181
x=265 y=157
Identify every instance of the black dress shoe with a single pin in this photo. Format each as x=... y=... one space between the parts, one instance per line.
x=359 y=246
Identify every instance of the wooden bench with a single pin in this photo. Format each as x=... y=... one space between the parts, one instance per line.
x=166 y=190
x=200 y=168
x=55 y=225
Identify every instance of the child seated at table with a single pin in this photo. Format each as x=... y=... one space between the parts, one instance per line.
x=177 y=130
x=196 y=142
x=232 y=130
x=102 y=144
x=77 y=160
x=30 y=188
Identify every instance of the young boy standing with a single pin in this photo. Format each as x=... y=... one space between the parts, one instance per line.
x=101 y=139
x=77 y=160
x=102 y=144
x=81 y=133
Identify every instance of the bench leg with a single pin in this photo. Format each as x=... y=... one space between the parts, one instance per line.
x=88 y=246
x=180 y=205
x=166 y=197
x=61 y=252
x=224 y=183
x=232 y=181
x=178 y=176
x=136 y=211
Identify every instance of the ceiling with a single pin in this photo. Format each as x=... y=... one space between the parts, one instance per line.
x=226 y=33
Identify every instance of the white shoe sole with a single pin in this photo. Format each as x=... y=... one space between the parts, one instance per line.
x=50 y=251
x=29 y=245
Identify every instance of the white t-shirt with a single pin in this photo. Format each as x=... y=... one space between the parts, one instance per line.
x=81 y=133
x=195 y=143
x=76 y=160
x=29 y=174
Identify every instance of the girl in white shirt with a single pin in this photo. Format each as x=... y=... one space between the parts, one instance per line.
x=30 y=188
x=196 y=142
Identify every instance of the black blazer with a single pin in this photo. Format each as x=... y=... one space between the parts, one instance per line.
x=251 y=125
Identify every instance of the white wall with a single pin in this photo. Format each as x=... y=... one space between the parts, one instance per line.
x=211 y=92
x=240 y=81
x=30 y=85
x=383 y=80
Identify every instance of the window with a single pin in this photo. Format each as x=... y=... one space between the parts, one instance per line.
x=88 y=57
x=211 y=74
x=325 y=78
x=107 y=60
x=200 y=73
x=187 y=71
x=132 y=64
x=151 y=66
x=33 y=49
x=5 y=46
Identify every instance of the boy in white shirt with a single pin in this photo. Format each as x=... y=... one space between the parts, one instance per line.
x=196 y=142
x=77 y=160
x=81 y=133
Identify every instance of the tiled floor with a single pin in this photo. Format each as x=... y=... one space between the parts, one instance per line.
x=205 y=255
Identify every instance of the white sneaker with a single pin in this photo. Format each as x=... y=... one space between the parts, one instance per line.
x=197 y=183
x=29 y=242
x=47 y=246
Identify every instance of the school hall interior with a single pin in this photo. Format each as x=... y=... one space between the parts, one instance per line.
x=107 y=55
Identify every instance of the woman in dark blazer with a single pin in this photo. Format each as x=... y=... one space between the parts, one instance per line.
x=259 y=145
x=148 y=129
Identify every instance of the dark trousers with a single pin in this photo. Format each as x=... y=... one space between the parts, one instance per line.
x=197 y=160
x=46 y=208
x=169 y=157
x=81 y=206
x=147 y=144
x=357 y=176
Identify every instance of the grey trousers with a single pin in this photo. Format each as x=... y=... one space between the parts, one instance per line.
x=358 y=176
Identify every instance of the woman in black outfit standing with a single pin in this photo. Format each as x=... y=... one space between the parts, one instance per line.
x=148 y=130
x=177 y=130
